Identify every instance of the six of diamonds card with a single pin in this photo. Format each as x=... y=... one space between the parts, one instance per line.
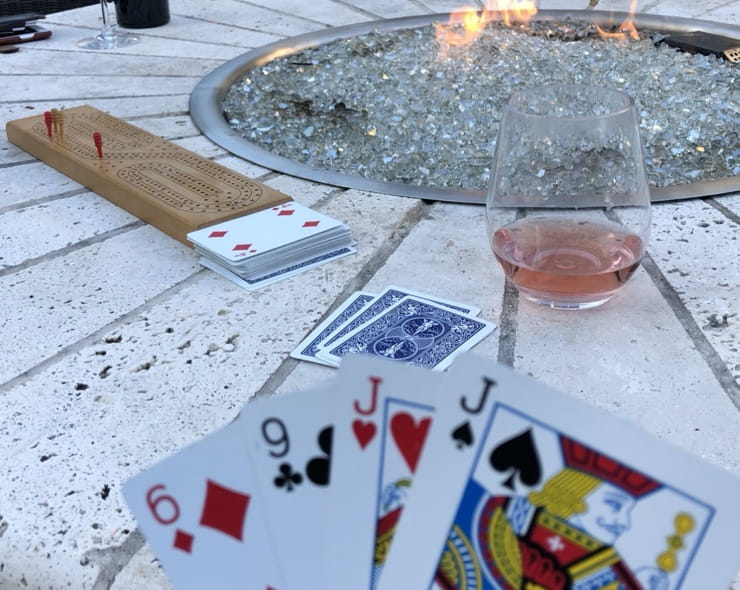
x=393 y=476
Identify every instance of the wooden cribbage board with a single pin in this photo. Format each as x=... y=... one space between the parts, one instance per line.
x=167 y=186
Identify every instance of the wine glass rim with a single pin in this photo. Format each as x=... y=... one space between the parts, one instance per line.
x=628 y=103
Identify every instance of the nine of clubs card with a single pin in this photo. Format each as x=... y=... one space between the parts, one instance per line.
x=289 y=441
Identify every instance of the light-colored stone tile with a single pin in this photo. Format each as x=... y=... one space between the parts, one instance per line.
x=65 y=38
x=35 y=231
x=447 y=254
x=727 y=12
x=452 y=265
x=156 y=382
x=258 y=18
x=443 y=6
x=158 y=352
x=732 y=202
x=325 y=12
x=201 y=146
x=181 y=27
x=41 y=61
x=143 y=572
x=392 y=9
x=303 y=191
x=123 y=107
x=84 y=291
x=698 y=249
x=633 y=358
x=32 y=181
x=63 y=88
x=242 y=166
x=177 y=127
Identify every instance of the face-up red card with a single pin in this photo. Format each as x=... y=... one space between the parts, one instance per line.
x=203 y=517
x=239 y=240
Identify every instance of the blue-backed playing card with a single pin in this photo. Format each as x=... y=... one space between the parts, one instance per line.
x=310 y=345
x=414 y=331
x=389 y=297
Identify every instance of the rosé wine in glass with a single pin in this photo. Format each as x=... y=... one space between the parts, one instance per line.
x=581 y=262
x=568 y=206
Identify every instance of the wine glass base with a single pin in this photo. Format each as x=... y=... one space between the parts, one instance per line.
x=568 y=305
x=113 y=41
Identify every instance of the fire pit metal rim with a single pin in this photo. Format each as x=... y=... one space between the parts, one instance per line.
x=206 y=99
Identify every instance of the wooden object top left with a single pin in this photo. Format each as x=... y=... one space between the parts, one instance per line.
x=169 y=187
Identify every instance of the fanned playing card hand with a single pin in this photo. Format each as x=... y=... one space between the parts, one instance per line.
x=392 y=476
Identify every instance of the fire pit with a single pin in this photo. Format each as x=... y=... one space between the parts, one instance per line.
x=279 y=91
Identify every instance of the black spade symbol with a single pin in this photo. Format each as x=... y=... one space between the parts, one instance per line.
x=519 y=455
x=463 y=435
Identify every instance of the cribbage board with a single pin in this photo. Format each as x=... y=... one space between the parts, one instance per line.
x=167 y=186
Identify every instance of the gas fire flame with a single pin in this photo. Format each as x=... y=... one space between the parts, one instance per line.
x=466 y=24
x=626 y=30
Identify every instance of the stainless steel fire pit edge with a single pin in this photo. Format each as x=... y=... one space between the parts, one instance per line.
x=206 y=99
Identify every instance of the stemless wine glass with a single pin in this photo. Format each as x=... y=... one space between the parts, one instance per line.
x=568 y=205
x=109 y=36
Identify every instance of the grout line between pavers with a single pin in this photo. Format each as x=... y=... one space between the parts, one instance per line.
x=285 y=13
x=650 y=6
x=322 y=201
x=103 y=75
x=20 y=163
x=702 y=344
x=71 y=248
x=229 y=24
x=508 y=319
x=76 y=52
x=97 y=334
x=507 y=325
x=421 y=6
x=358 y=9
x=88 y=98
x=42 y=200
x=368 y=270
x=707 y=11
x=731 y=215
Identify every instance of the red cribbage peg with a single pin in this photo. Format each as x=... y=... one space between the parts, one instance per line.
x=48 y=122
x=98 y=139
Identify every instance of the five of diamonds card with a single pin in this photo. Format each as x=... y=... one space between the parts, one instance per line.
x=272 y=244
x=393 y=476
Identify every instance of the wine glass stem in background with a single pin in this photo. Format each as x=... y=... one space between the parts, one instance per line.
x=107 y=26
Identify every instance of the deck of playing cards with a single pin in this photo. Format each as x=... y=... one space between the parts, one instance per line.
x=272 y=244
x=397 y=324
x=392 y=476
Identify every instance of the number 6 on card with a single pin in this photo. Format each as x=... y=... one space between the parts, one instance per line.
x=201 y=514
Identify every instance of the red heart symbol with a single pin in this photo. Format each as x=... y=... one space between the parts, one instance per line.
x=364 y=432
x=409 y=436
